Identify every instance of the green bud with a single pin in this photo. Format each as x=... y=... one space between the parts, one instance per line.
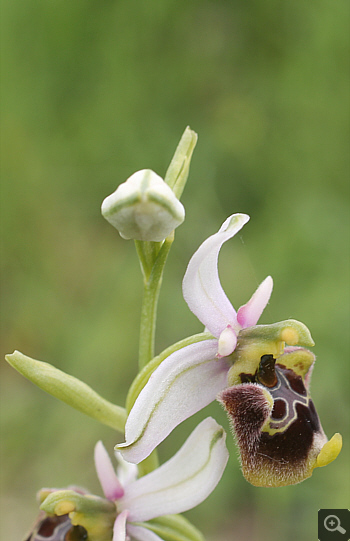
x=96 y=515
x=69 y=389
x=143 y=208
x=177 y=173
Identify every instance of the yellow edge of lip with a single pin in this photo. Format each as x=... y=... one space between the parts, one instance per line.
x=329 y=451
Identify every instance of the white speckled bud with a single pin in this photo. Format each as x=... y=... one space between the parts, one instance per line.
x=143 y=208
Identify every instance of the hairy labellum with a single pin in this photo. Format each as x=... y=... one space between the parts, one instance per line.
x=276 y=425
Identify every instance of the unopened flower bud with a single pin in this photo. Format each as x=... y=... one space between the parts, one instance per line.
x=143 y=208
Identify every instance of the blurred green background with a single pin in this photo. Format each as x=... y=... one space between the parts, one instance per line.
x=93 y=91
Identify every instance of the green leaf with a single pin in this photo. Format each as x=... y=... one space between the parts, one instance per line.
x=69 y=389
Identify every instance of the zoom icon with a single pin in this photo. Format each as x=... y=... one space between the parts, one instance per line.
x=334 y=524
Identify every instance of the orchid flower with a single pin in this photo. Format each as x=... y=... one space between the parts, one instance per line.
x=179 y=484
x=277 y=428
x=192 y=377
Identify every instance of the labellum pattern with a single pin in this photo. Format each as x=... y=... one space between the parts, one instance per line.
x=54 y=528
x=277 y=428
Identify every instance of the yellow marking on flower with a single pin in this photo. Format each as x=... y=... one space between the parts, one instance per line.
x=299 y=361
x=329 y=451
x=290 y=336
x=64 y=507
x=280 y=345
x=268 y=397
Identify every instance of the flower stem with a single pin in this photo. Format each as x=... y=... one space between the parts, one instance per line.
x=152 y=258
x=152 y=264
x=148 y=464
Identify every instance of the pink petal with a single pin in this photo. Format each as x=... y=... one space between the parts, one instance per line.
x=185 y=382
x=248 y=314
x=184 y=481
x=201 y=285
x=109 y=481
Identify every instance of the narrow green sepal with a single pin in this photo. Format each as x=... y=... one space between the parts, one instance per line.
x=95 y=514
x=173 y=528
x=177 y=173
x=69 y=389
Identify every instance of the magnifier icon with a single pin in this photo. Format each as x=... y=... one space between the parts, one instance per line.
x=332 y=524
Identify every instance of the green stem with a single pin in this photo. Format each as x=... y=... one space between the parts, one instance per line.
x=147 y=252
x=152 y=256
x=152 y=283
x=149 y=464
x=148 y=322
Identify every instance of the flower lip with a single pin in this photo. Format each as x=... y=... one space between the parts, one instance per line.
x=278 y=431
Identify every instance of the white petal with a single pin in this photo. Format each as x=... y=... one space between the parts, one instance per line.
x=248 y=314
x=119 y=529
x=201 y=285
x=184 y=481
x=109 y=481
x=142 y=534
x=185 y=382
